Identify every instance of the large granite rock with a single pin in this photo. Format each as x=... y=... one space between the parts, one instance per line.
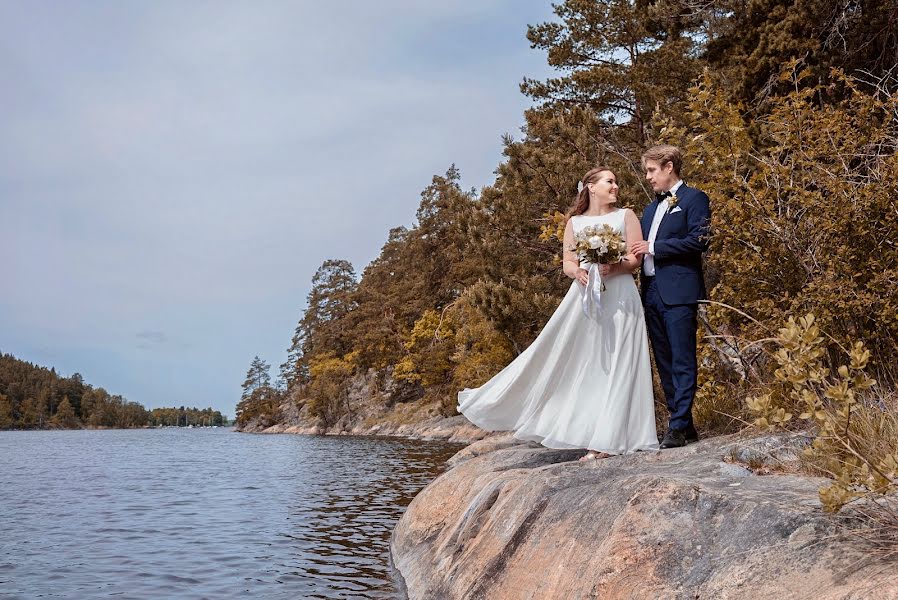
x=515 y=520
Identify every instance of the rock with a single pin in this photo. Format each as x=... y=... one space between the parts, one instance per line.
x=497 y=441
x=277 y=428
x=778 y=452
x=514 y=520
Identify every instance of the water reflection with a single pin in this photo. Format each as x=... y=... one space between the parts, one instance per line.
x=349 y=526
x=203 y=513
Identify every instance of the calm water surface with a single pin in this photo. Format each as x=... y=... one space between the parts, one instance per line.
x=203 y=513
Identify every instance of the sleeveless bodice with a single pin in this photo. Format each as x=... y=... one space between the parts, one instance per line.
x=614 y=219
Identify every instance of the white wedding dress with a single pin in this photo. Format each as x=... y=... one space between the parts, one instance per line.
x=585 y=381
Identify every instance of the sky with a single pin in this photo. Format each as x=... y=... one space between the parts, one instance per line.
x=172 y=173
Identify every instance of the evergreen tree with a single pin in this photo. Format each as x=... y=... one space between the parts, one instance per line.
x=74 y=388
x=257 y=377
x=758 y=37
x=621 y=60
x=260 y=405
x=329 y=300
x=386 y=303
x=65 y=415
x=294 y=369
x=418 y=269
x=181 y=417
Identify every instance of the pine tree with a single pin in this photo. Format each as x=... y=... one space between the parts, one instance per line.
x=386 y=302
x=257 y=377
x=294 y=369
x=621 y=60
x=319 y=331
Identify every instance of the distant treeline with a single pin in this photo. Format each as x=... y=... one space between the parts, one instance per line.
x=35 y=397
x=182 y=417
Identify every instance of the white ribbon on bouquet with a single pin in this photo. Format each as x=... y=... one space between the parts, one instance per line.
x=592 y=293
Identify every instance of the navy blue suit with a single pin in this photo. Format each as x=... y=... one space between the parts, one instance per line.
x=671 y=297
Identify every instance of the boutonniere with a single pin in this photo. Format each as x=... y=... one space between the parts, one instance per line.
x=672 y=203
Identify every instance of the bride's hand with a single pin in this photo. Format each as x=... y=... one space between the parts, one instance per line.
x=582 y=276
x=606 y=270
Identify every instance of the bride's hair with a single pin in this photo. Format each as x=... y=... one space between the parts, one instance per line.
x=582 y=202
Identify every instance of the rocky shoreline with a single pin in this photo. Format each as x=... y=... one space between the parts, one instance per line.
x=449 y=429
x=728 y=517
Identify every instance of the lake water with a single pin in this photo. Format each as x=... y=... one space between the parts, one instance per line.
x=203 y=513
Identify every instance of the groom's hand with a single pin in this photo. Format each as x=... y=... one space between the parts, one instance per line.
x=640 y=249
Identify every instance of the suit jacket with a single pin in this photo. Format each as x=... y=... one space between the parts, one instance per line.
x=682 y=238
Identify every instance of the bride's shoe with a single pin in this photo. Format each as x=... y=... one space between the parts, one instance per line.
x=593 y=455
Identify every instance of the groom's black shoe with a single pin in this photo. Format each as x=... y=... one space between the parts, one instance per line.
x=690 y=434
x=674 y=438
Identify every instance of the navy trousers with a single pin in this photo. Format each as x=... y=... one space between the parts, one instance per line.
x=672 y=330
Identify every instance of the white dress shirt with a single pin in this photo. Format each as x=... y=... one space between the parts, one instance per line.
x=648 y=261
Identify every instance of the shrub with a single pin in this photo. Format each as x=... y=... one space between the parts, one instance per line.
x=847 y=420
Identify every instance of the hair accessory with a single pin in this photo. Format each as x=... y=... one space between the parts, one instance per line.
x=579 y=186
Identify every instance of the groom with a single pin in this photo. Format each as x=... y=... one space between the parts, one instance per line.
x=676 y=229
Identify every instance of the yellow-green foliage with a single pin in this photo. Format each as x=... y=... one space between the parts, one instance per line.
x=451 y=350
x=831 y=400
x=328 y=389
x=553 y=227
x=480 y=351
x=429 y=350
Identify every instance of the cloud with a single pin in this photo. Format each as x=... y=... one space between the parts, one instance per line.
x=149 y=339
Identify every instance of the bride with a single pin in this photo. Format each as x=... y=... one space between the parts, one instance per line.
x=586 y=380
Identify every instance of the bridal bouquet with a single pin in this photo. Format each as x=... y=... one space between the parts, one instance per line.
x=599 y=245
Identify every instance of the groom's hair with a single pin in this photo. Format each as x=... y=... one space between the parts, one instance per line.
x=664 y=154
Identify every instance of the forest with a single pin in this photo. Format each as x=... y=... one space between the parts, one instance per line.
x=35 y=397
x=787 y=113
